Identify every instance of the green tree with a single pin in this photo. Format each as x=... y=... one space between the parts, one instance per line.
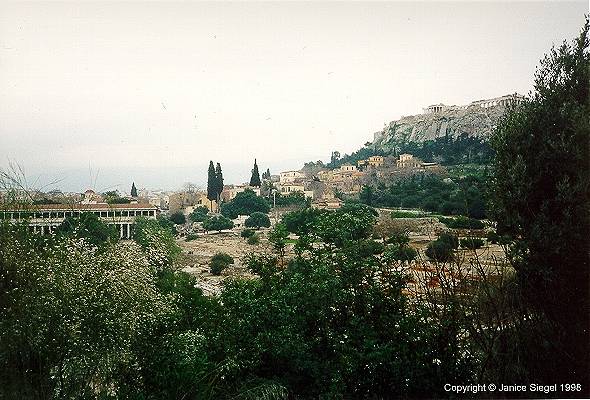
x=217 y=223
x=246 y=233
x=334 y=158
x=199 y=214
x=257 y=220
x=278 y=237
x=166 y=223
x=245 y=203
x=472 y=243
x=71 y=317
x=442 y=248
x=133 y=190
x=178 y=218
x=302 y=221
x=254 y=239
x=157 y=241
x=292 y=199
x=399 y=249
x=255 y=178
x=266 y=175
x=219 y=262
x=212 y=184
x=542 y=196
x=218 y=182
x=324 y=326
x=366 y=195
x=89 y=227
x=113 y=197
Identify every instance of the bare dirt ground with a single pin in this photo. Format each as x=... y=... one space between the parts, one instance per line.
x=197 y=253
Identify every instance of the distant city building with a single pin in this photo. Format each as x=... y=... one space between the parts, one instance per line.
x=180 y=200
x=290 y=176
x=328 y=202
x=345 y=181
x=408 y=161
x=375 y=161
x=288 y=188
x=91 y=197
x=347 y=167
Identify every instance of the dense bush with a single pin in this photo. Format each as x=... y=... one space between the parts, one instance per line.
x=257 y=220
x=165 y=223
x=246 y=233
x=325 y=327
x=278 y=237
x=191 y=236
x=217 y=223
x=71 y=316
x=449 y=238
x=462 y=222
x=292 y=199
x=300 y=222
x=177 y=217
x=158 y=242
x=399 y=253
x=406 y=214
x=442 y=248
x=472 y=243
x=219 y=262
x=541 y=195
x=199 y=214
x=254 y=239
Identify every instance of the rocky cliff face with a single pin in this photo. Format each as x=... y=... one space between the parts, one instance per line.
x=473 y=120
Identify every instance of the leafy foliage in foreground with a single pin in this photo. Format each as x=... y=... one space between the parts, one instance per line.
x=157 y=242
x=542 y=197
x=121 y=323
x=89 y=227
x=70 y=314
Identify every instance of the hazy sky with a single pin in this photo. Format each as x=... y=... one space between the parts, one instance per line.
x=151 y=92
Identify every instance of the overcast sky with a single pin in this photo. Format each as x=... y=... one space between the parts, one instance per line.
x=150 y=92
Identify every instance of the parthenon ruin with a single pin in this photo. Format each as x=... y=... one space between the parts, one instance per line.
x=504 y=101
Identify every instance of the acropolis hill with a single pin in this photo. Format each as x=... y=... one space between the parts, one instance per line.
x=477 y=118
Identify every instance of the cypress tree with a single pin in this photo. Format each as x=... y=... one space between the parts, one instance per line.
x=255 y=179
x=133 y=190
x=218 y=181
x=211 y=183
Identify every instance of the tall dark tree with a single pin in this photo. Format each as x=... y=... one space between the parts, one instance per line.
x=334 y=158
x=255 y=179
x=218 y=181
x=133 y=190
x=266 y=175
x=542 y=198
x=211 y=183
